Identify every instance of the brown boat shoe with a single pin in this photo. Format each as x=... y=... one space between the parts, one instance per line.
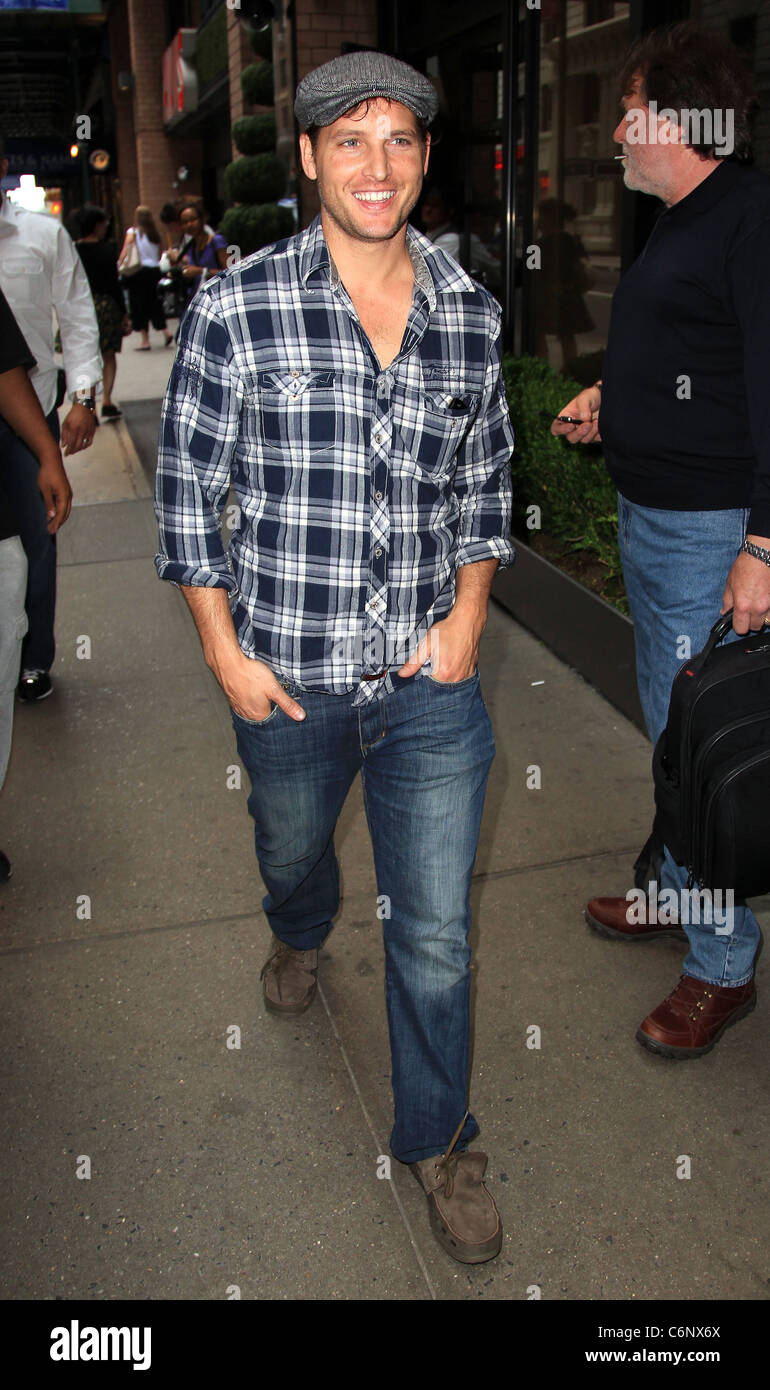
x=289 y=979
x=463 y=1216
x=693 y=1017
x=610 y=917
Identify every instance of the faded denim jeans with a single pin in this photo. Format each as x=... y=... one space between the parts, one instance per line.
x=675 y=566
x=424 y=752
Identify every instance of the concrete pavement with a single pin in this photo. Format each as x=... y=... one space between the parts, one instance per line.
x=132 y=938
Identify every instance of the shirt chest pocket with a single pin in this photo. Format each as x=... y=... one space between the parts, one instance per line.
x=299 y=411
x=23 y=277
x=434 y=431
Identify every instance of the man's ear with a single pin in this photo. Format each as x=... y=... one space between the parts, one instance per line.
x=306 y=155
x=427 y=152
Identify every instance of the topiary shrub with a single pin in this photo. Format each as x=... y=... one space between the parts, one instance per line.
x=258 y=178
x=569 y=483
x=233 y=228
x=255 y=134
x=253 y=226
x=257 y=83
x=261 y=41
x=255 y=178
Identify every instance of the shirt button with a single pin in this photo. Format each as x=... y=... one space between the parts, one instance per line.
x=378 y=552
x=378 y=496
x=295 y=374
x=377 y=437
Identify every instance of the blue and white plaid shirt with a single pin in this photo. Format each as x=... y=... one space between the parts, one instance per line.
x=360 y=490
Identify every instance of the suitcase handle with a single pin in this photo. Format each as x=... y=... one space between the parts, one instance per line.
x=719 y=631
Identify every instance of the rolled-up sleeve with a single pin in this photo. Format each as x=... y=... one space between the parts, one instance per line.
x=482 y=480
x=76 y=316
x=198 y=434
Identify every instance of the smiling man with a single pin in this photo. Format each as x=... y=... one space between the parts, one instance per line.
x=347 y=383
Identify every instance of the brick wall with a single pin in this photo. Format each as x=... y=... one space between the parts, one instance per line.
x=240 y=56
x=158 y=155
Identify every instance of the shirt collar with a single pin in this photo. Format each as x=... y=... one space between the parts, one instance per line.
x=434 y=272
x=709 y=191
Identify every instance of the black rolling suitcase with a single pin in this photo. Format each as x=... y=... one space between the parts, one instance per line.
x=711 y=765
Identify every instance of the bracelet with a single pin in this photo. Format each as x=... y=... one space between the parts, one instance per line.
x=758 y=551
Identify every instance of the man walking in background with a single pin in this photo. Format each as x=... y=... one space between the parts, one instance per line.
x=347 y=383
x=20 y=416
x=682 y=414
x=41 y=273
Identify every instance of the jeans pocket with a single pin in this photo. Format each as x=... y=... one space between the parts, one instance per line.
x=255 y=723
x=453 y=685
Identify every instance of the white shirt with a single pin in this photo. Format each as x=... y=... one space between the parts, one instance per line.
x=481 y=259
x=41 y=271
x=149 y=251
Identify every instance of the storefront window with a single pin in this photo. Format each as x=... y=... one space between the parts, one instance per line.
x=577 y=212
x=462 y=208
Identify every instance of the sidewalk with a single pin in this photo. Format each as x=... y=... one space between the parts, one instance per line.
x=132 y=939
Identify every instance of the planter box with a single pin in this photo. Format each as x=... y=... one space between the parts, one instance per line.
x=581 y=628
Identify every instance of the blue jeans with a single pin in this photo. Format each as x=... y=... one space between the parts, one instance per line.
x=19 y=470
x=424 y=754
x=675 y=566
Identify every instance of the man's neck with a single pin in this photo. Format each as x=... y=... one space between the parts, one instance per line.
x=692 y=175
x=371 y=265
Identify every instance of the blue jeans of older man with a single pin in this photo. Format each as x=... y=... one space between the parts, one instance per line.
x=675 y=566
x=424 y=752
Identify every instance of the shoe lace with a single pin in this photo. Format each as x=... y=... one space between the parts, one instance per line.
x=446 y=1166
x=689 y=996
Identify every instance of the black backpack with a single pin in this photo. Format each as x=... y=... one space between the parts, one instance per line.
x=711 y=765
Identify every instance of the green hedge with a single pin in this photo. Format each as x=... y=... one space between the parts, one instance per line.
x=257 y=83
x=255 y=178
x=255 y=134
x=211 y=50
x=251 y=227
x=568 y=482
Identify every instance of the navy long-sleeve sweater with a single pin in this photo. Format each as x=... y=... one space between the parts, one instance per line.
x=685 y=413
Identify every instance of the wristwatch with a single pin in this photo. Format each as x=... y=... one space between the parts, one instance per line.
x=86 y=398
x=758 y=551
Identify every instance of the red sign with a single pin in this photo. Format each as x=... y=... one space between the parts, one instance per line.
x=180 y=79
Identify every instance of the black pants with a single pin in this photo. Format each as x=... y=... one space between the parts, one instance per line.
x=144 y=299
x=20 y=469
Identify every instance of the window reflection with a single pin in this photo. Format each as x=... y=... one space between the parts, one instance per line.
x=579 y=183
x=461 y=209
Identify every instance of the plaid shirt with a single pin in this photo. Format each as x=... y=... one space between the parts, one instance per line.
x=360 y=491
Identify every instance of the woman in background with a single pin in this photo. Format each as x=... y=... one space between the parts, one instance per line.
x=204 y=253
x=143 y=285
x=100 y=262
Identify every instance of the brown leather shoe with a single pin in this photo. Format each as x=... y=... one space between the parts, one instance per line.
x=289 y=979
x=609 y=917
x=694 y=1016
x=463 y=1216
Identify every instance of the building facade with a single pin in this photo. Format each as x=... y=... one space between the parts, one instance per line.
x=522 y=152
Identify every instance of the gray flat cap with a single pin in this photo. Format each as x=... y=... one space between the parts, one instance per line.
x=336 y=87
